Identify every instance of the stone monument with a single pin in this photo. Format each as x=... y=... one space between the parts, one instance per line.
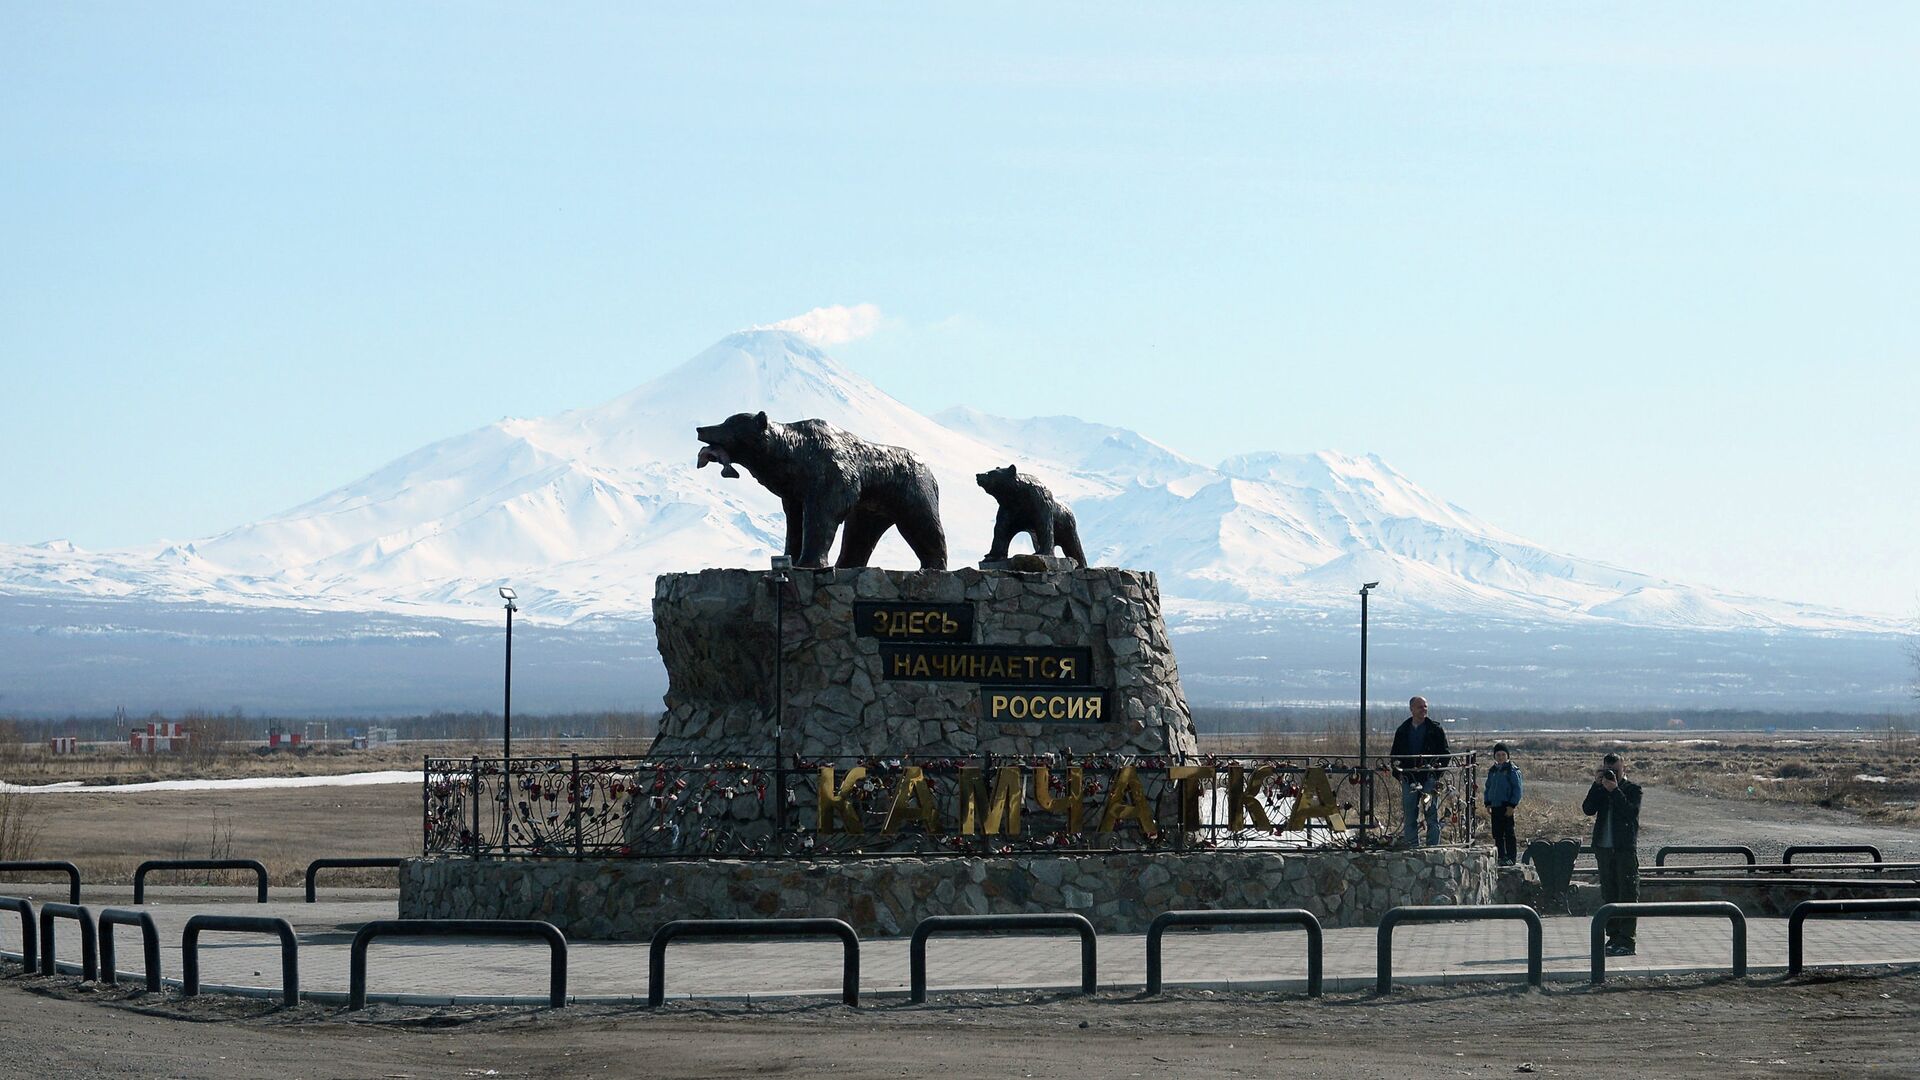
x=928 y=663
x=1006 y=739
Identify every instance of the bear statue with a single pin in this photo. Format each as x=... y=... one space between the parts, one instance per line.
x=824 y=477
x=1026 y=506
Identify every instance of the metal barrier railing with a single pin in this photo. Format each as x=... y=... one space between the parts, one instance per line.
x=149 y=943
x=1774 y=886
x=1777 y=869
x=1456 y=913
x=1237 y=917
x=67 y=868
x=1660 y=857
x=1828 y=909
x=29 y=934
x=849 y=952
x=89 y=943
x=1689 y=909
x=958 y=924
x=140 y=873
x=241 y=924
x=1872 y=852
x=317 y=865
x=527 y=928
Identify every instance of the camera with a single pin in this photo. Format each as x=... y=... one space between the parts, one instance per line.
x=1609 y=774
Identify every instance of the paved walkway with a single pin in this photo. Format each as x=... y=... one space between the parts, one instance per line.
x=425 y=971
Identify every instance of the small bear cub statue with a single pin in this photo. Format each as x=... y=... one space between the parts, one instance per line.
x=1026 y=506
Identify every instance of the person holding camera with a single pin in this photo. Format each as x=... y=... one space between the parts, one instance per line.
x=1501 y=795
x=1419 y=751
x=1614 y=804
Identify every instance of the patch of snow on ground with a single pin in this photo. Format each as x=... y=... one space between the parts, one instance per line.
x=365 y=779
x=1687 y=742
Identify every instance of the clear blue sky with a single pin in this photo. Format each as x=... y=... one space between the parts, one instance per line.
x=1635 y=282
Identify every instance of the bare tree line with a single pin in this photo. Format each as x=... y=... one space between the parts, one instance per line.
x=210 y=734
x=1317 y=719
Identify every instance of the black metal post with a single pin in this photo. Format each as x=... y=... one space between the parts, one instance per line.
x=477 y=849
x=1366 y=777
x=506 y=710
x=507 y=791
x=779 y=702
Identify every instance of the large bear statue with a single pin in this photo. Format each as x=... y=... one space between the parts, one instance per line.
x=1026 y=506
x=824 y=477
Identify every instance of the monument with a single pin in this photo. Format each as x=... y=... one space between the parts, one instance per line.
x=923 y=663
x=1026 y=506
x=879 y=745
x=825 y=478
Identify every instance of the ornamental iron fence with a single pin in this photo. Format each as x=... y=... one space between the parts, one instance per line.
x=687 y=807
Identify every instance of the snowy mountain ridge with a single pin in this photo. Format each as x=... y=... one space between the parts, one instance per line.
x=582 y=509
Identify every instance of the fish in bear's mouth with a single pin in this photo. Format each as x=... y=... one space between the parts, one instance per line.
x=713 y=454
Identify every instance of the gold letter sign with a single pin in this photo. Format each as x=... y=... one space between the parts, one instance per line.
x=1074 y=798
x=1243 y=797
x=838 y=802
x=1316 y=802
x=1189 y=778
x=913 y=789
x=1128 y=799
x=1003 y=806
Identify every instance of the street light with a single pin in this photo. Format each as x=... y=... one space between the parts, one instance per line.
x=506 y=712
x=1366 y=790
x=777 y=580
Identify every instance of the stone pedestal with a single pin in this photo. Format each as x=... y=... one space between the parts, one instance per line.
x=892 y=662
x=1031 y=563
x=1120 y=893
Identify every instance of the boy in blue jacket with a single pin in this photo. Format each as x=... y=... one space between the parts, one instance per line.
x=1501 y=796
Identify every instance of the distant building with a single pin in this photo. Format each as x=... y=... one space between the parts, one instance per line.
x=371 y=737
x=159 y=737
x=64 y=744
x=278 y=739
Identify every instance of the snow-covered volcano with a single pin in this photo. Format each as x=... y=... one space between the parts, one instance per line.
x=581 y=510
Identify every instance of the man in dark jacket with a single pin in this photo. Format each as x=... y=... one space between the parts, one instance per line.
x=1614 y=804
x=1418 y=755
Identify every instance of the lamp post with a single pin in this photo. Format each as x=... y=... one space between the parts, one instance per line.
x=506 y=709
x=777 y=579
x=1366 y=777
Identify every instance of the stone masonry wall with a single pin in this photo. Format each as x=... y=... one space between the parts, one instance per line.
x=715 y=630
x=1120 y=893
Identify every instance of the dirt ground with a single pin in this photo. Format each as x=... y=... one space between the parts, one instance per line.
x=1671 y=816
x=108 y=835
x=1687 y=1027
